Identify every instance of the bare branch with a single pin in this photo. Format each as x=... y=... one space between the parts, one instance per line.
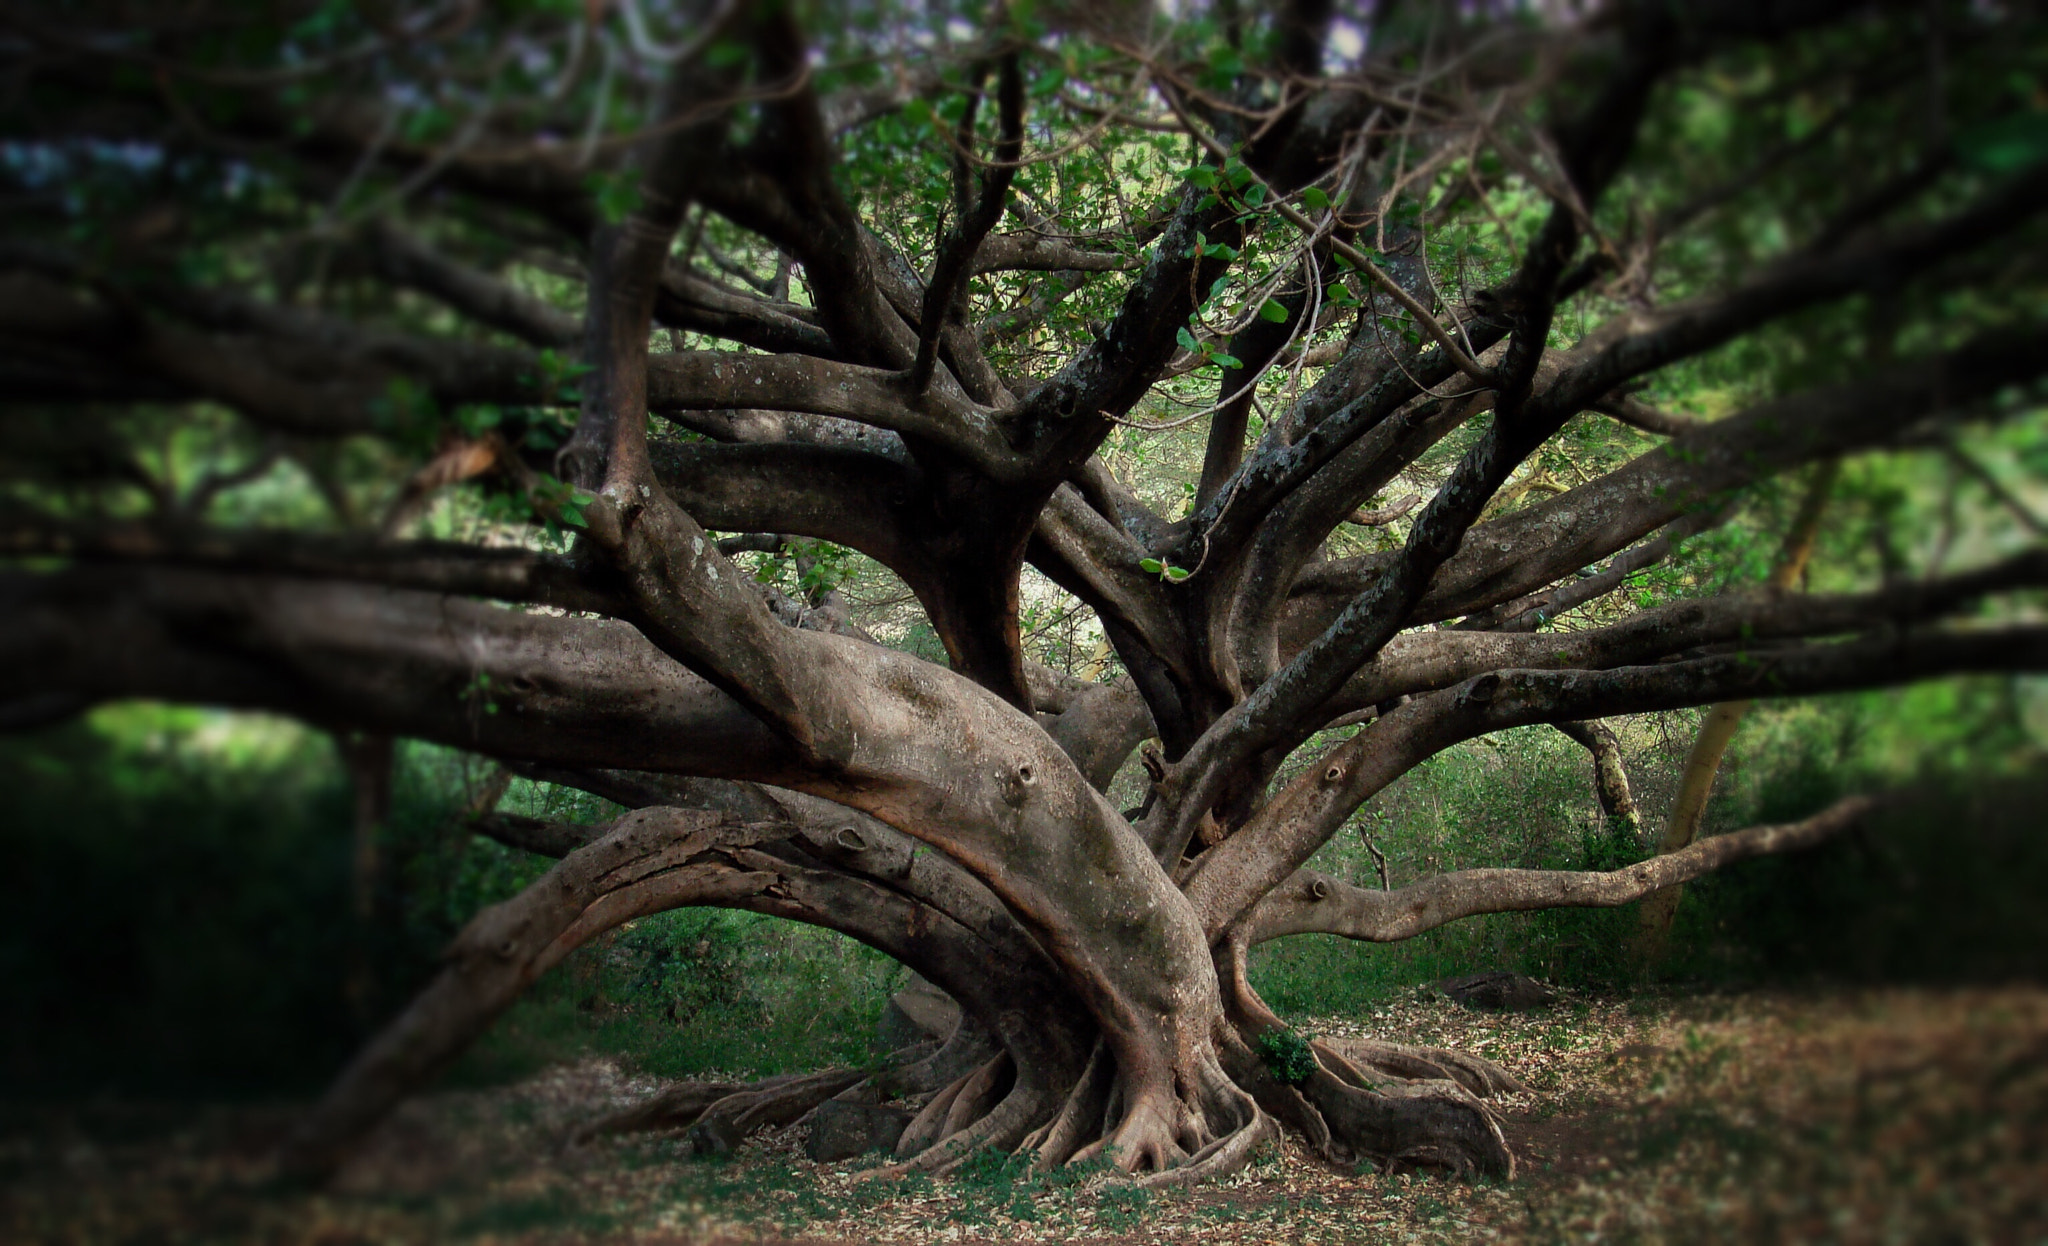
x=979 y=205
x=1538 y=545
x=435 y=566
x=1030 y=251
x=1302 y=817
x=1381 y=516
x=687 y=301
x=1528 y=613
x=478 y=295
x=1638 y=414
x=1881 y=263
x=1312 y=903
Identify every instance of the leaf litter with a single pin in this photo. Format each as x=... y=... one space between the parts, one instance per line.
x=1894 y=1115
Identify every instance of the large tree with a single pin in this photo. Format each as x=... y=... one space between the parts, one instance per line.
x=663 y=295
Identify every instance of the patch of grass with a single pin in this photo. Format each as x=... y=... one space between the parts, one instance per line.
x=1122 y=1207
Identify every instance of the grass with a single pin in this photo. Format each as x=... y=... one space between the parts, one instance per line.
x=1907 y=1115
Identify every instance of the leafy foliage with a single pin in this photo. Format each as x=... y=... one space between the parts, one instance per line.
x=1287 y=1055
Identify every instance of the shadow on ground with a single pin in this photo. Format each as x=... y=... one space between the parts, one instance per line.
x=1902 y=1115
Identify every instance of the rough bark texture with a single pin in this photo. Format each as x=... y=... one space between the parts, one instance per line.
x=919 y=401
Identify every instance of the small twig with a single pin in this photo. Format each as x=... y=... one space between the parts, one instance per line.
x=1379 y=863
x=1357 y=258
x=1380 y=517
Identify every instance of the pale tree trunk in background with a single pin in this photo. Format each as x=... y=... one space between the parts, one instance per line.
x=1703 y=764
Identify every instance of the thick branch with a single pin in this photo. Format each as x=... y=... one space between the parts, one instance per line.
x=1311 y=808
x=476 y=294
x=439 y=566
x=1880 y=264
x=1542 y=543
x=1610 y=775
x=720 y=380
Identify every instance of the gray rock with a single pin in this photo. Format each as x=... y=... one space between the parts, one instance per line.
x=1497 y=991
x=843 y=1130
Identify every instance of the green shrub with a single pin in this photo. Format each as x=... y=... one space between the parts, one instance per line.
x=1287 y=1055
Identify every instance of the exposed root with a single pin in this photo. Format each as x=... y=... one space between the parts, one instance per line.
x=1395 y=1104
x=1282 y=1102
x=1429 y=1124
x=739 y=1110
x=1392 y=1103
x=1220 y=1158
x=1482 y=1077
x=1366 y=1099
x=1081 y=1113
x=677 y=1107
x=982 y=1090
x=929 y=1125
x=1002 y=1128
x=1144 y=1140
x=970 y=1046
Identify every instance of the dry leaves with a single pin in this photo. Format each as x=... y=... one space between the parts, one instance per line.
x=1896 y=1115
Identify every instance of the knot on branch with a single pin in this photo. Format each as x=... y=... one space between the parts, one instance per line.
x=1018 y=783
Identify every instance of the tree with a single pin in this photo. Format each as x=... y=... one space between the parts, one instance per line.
x=660 y=296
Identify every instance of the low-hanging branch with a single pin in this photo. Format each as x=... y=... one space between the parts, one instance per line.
x=1315 y=903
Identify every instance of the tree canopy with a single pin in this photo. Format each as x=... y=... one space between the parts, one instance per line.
x=1307 y=389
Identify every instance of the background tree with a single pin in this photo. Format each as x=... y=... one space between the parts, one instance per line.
x=330 y=337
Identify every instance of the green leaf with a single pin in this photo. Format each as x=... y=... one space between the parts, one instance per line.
x=1150 y=566
x=1202 y=175
x=1177 y=574
x=1287 y=1054
x=1273 y=311
x=1226 y=360
x=1186 y=339
x=1315 y=198
x=1255 y=194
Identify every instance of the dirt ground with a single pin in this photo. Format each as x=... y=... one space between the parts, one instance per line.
x=1879 y=1116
